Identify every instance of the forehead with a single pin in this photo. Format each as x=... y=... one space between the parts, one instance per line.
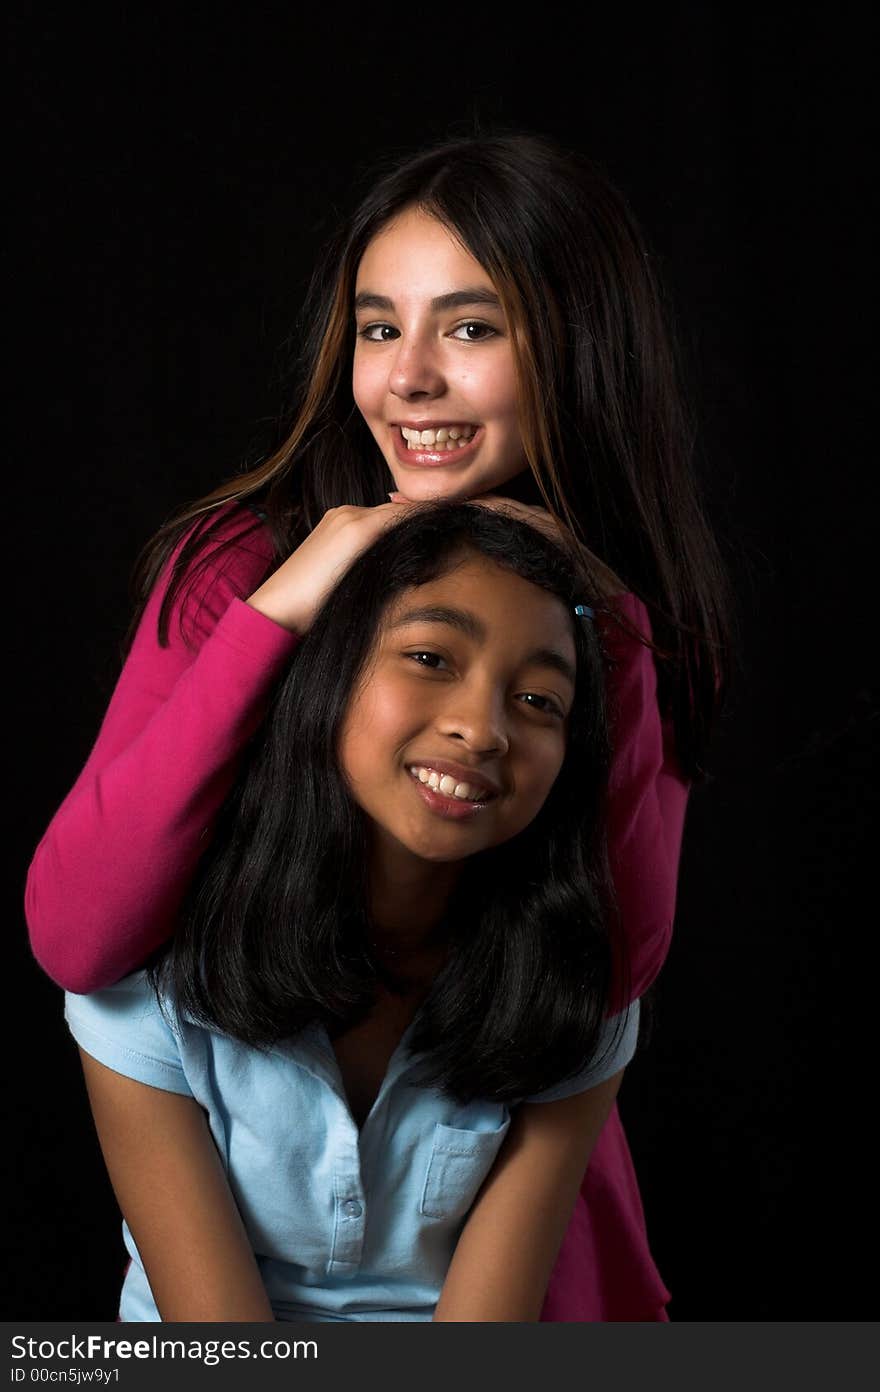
x=415 y=254
x=512 y=612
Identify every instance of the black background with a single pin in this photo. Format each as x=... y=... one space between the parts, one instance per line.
x=172 y=177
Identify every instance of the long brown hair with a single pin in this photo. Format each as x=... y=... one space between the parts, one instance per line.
x=605 y=427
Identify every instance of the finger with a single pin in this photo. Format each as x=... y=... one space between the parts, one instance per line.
x=396 y=510
x=398 y=507
x=490 y=500
x=529 y=513
x=498 y=503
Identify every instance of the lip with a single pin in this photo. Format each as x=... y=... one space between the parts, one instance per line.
x=460 y=772
x=431 y=424
x=452 y=809
x=428 y=458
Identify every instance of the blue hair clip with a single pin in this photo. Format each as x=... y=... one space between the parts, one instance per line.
x=583 y=611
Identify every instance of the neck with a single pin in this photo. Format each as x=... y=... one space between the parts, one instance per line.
x=408 y=900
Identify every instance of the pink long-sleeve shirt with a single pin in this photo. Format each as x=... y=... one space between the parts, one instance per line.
x=108 y=877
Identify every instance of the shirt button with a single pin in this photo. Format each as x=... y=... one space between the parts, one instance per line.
x=352 y=1209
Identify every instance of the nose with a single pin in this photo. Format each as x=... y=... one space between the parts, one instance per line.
x=475 y=715
x=415 y=370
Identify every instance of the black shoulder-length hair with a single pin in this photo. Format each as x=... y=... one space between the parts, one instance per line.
x=275 y=930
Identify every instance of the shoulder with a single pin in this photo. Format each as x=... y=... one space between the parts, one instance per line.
x=615 y=1049
x=218 y=558
x=624 y=608
x=235 y=543
x=623 y=624
x=618 y=609
x=130 y=1030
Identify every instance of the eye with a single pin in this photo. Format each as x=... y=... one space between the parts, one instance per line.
x=367 y=332
x=547 y=705
x=486 y=330
x=424 y=658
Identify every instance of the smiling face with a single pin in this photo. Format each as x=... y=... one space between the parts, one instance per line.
x=457 y=730
x=433 y=354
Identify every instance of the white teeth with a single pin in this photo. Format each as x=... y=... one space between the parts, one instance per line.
x=449 y=437
x=446 y=784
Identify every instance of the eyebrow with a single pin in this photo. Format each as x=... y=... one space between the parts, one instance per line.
x=461 y=619
x=472 y=627
x=455 y=299
x=549 y=657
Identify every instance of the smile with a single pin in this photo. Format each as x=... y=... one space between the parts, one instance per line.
x=445 y=783
x=447 y=795
x=426 y=448
x=450 y=437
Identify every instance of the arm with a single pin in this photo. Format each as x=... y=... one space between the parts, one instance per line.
x=506 y=1251
x=647 y=801
x=112 y=868
x=172 y=1189
x=108 y=877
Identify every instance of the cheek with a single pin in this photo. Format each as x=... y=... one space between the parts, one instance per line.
x=366 y=385
x=355 y=736
x=499 y=391
x=540 y=774
x=381 y=720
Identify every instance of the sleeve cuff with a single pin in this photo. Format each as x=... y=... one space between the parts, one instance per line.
x=123 y=1028
x=252 y=634
x=617 y=1045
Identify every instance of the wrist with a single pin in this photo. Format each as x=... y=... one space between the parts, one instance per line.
x=271 y=607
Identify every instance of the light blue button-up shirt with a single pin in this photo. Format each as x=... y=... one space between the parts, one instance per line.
x=345 y=1224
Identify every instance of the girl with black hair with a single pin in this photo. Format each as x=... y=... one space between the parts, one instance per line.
x=487 y=325
x=385 y=1009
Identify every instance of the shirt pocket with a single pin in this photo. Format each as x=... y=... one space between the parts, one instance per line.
x=460 y=1161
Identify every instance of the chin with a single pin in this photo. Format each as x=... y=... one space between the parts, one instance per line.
x=427 y=489
x=435 y=857
x=432 y=855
